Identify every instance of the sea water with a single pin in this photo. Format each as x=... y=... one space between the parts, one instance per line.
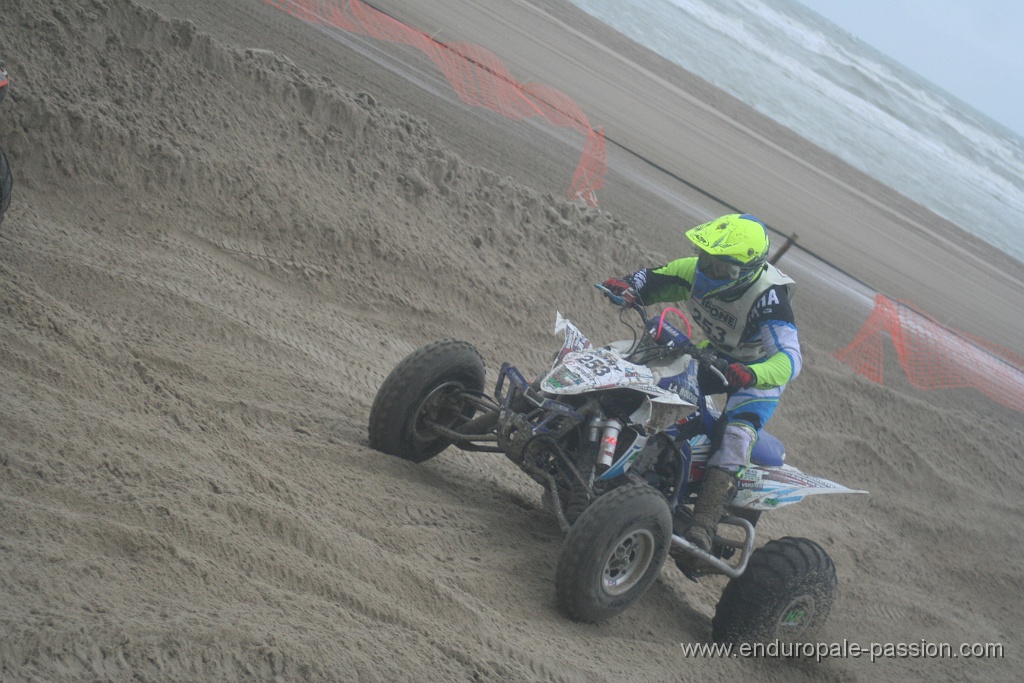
x=811 y=76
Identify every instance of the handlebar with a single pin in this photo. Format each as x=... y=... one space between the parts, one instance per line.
x=704 y=355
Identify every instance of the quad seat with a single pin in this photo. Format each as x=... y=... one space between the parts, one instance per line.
x=768 y=451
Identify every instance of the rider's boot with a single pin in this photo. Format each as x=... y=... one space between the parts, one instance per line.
x=720 y=482
x=718 y=489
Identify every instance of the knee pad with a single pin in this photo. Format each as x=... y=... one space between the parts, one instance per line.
x=734 y=452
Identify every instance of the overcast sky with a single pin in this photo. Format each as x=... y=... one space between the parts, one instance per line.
x=973 y=49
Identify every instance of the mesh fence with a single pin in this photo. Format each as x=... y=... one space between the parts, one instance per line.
x=476 y=75
x=934 y=356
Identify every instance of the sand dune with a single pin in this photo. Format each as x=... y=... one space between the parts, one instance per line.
x=227 y=227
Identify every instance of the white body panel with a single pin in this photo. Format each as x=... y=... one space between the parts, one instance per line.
x=580 y=368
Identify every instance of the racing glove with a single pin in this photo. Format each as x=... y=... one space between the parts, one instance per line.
x=739 y=376
x=621 y=288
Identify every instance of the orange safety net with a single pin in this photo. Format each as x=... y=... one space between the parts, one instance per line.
x=935 y=356
x=478 y=77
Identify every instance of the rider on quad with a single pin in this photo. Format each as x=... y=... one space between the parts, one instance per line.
x=742 y=303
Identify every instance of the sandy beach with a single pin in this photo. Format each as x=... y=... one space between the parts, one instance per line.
x=228 y=226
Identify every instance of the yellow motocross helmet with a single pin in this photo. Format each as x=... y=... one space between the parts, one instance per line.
x=731 y=253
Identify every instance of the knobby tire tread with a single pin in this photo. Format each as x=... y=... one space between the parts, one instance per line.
x=409 y=383
x=577 y=581
x=776 y=573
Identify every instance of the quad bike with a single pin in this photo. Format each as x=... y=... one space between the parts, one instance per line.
x=619 y=436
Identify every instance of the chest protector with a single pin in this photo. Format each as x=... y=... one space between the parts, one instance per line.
x=724 y=321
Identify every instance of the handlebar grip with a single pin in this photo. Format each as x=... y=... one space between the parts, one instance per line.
x=709 y=357
x=613 y=297
x=624 y=302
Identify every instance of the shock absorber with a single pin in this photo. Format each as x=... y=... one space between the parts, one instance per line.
x=608 y=432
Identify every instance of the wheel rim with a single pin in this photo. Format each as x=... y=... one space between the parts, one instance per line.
x=442 y=406
x=795 y=619
x=628 y=562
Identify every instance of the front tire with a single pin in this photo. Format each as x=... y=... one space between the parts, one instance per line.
x=613 y=553
x=425 y=388
x=786 y=593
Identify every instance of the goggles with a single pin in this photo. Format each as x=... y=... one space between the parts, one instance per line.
x=717 y=267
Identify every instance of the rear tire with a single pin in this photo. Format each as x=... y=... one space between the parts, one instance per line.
x=786 y=593
x=613 y=553
x=426 y=387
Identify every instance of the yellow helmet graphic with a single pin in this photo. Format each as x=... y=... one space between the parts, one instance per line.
x=732 y=251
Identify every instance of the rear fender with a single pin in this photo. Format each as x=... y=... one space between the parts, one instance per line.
x=768 y=488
